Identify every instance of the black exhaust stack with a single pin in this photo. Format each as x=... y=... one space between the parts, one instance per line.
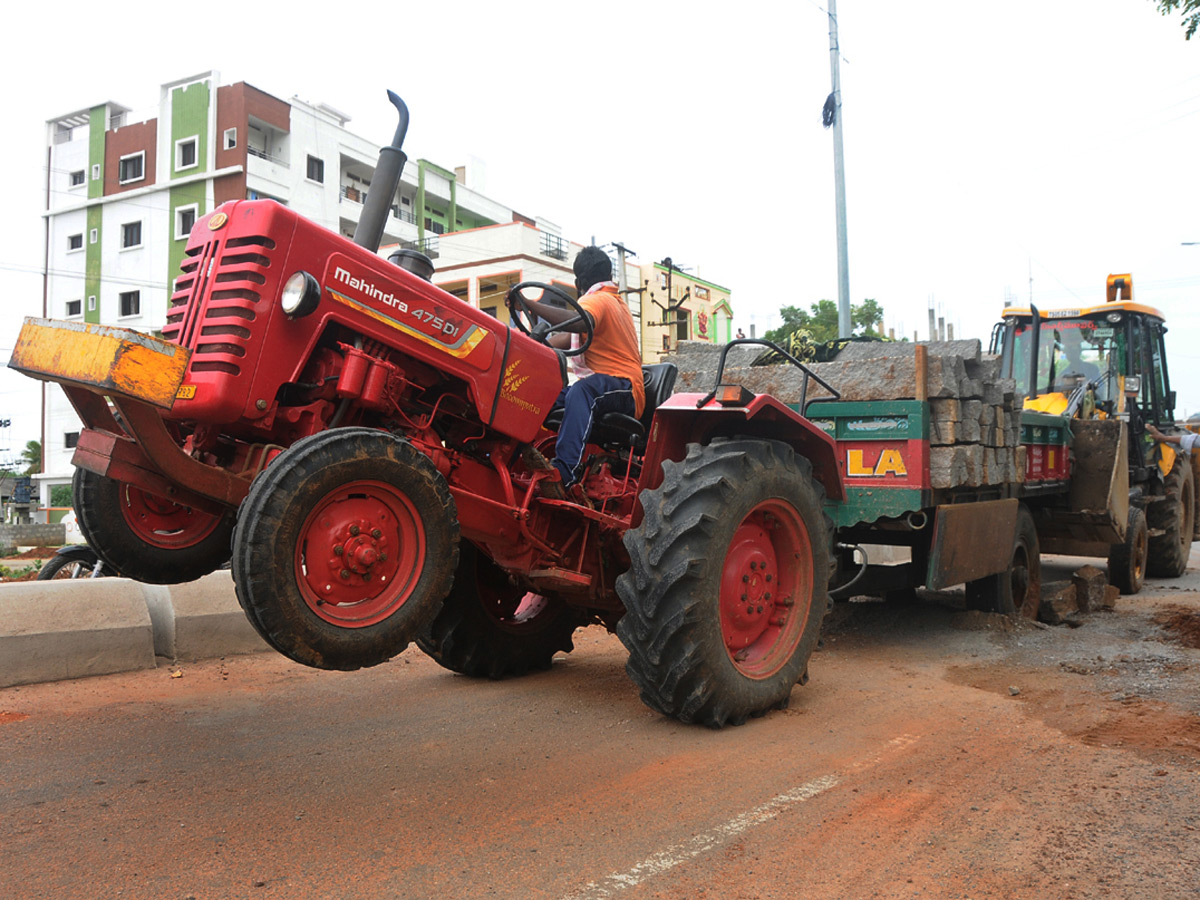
x=383 y=184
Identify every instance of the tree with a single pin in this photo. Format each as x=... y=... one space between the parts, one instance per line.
x=821 y=320
x=1190 y=10
x=32 y=457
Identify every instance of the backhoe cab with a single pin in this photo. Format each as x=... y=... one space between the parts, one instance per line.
x=1103 y=370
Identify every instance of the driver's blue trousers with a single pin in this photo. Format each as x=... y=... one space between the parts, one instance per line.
x=581 y=403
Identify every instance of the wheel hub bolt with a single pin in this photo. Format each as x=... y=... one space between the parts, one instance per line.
x=339 y=550
x=354 y=530
x=377 y=534
x=753 y=566
x=768 y=578
x=345 y=573
x=758 y=609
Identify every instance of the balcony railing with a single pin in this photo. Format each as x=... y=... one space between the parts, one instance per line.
x=262 y=154
x=429 y=246
x=356 y=195
x=554 y=246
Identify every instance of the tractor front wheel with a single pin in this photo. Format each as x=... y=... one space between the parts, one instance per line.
x=146 y=537
x=728 y=582
x=344 y=548
x=489 y=628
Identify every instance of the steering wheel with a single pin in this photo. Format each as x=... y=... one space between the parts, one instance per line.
x=518 y=307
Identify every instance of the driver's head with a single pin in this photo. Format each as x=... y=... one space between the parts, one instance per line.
x=592 y=266
x=1072 y=344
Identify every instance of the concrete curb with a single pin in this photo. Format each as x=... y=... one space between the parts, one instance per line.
x=55 y=630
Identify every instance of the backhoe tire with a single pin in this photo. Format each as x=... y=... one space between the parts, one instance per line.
x=345 y=548
x=1017 y=591
x=489 y=628
x=1127 y=561
x=728 y=582
x=146 y=537
x=1175 y=516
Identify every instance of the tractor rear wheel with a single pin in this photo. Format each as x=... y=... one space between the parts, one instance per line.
x=1127 y=561
x=1017 y=591
x=146 y=537
x=344 y=548
x=1175 y=517
x=728 y=582
x=489 y=628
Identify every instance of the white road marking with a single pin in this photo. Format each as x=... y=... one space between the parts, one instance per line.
x=701 y=843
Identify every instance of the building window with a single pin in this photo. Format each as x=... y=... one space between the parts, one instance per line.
x=78 y=178
x=701 y=293
x=70 y=439
x=96 y=172
x=132 y=168
x=316 y=170
x=185 y=153
x=230 y=138
x=185 y=218
x=131 y=235
x=93 y=235
x=91 y=303
x=74 y=308
x=131 y=303
x=74 y=242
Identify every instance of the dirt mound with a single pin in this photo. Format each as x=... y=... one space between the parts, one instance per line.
x=1182 y=625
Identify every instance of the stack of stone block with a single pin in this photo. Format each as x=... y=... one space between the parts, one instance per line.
x=974 y=431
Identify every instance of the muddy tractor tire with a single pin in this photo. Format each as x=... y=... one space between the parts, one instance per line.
x=146 y=537
x=728 y=582
x=344 y=548
x=489 y=628
x=1175 y=517
x=1016 y=592
x=1127 y=561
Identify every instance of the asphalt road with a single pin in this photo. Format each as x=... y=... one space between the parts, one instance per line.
x=935 y=753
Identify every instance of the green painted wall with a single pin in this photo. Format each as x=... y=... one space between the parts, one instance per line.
x=189 y=116
x=91 y=278
x=424 y=211
x=186 y=195
x=96 y=126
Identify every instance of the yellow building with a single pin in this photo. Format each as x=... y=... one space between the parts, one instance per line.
x=678 y=307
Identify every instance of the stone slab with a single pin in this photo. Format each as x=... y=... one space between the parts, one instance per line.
x=56 y=630
x=208 y=621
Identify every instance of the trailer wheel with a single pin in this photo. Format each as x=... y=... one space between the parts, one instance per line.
x=728 y=582
x=1127 y=561
x=344 y=548
x=489 y=628
x=1018 y=591
x=146 y=537
x=1175 y=517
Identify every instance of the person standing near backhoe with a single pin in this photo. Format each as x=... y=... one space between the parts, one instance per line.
x=614 y=358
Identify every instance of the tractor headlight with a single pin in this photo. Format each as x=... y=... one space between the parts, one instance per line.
x=301 y=294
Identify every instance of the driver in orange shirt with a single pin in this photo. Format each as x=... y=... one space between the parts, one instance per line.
x=614 y=357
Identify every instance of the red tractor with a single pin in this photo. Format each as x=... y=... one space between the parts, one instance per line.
x=370 y=446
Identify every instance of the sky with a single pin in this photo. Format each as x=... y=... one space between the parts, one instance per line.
x=1021 y=150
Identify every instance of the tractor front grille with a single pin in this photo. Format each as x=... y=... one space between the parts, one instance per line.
x=214 y=308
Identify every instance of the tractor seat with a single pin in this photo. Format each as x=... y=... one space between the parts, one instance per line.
x=619 y=430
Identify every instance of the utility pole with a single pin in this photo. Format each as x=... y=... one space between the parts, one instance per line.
x=839 y=177
x=621 y=251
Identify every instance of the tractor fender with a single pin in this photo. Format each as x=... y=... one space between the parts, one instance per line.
x=679 y=422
